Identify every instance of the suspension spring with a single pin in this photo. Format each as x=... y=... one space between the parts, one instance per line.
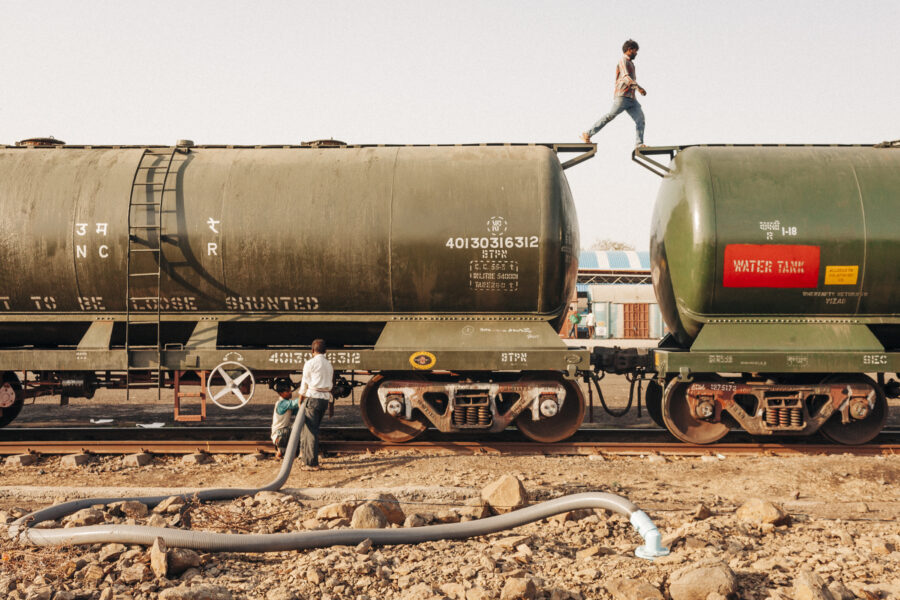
x=484 y=416
x=796 y=417
x=772 y=417
x=784 y=417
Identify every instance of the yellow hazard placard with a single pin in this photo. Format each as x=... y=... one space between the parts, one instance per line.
x=422 y=360
x=841 y=274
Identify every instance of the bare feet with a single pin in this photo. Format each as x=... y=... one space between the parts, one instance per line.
x=585 y=137
x=309 y=468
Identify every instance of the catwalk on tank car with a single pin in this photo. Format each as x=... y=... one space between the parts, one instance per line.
x=775 y=268
x=442 y=272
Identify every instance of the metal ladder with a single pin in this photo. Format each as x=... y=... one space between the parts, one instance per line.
x=148 y=187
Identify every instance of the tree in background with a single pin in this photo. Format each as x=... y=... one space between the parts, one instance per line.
x=608 y=244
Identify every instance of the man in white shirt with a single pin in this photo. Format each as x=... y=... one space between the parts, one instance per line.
x=590 y=322
x=318 y=376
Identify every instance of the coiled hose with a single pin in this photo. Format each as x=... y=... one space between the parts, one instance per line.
x=22 y=529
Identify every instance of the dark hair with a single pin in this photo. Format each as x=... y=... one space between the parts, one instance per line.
x=318 y=346
x=629 y=44
x=283 y=385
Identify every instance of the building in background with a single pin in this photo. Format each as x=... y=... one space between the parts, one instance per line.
x=616 y=286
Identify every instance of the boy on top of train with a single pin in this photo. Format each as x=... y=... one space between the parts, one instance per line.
x=624 y=99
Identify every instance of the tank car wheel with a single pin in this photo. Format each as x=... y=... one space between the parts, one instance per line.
x=561 y=426
x=679 y=420
x=383 y=426
x=653 y=398
x=857 y=431
x=11 y=398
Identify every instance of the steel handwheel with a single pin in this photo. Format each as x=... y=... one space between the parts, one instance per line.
x=238 y=382
x=679 y=420
x=563 y=424
x=390 y=429
x=857 y=431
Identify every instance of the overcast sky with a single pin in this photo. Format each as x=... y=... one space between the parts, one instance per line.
x=449 y=71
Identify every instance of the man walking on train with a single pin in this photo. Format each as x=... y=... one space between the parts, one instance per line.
x=624 y=99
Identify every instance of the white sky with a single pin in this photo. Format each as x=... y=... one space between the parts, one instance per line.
x=450 y=71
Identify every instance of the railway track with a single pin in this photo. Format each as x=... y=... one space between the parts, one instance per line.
x=225 y=440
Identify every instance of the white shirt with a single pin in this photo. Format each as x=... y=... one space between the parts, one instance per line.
x=590 y=319
x=318 y=375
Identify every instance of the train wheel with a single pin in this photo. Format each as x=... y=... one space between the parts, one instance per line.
x=390 y=429
x=11 y=398
x=653 y=397
x=562 y=425
x=857 y=431
x=679 y=420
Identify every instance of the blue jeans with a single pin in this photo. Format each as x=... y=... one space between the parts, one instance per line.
x=632 y=107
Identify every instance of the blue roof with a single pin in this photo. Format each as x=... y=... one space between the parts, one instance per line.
x=614 y=260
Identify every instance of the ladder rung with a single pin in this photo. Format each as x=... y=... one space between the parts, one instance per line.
x=148 y=183
x=143 y=298
x=146 y=204
x=144 y=227
x=145 y=250
x=144 y=274
x=156 y=166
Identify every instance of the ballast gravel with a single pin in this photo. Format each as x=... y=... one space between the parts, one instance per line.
x=765 y=527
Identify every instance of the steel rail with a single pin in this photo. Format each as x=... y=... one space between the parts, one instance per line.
x=445 y=447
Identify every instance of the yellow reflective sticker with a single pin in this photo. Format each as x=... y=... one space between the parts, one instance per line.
x=422 y=360
x=841 y=274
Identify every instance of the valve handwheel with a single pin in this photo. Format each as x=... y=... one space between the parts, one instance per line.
x=234 y=374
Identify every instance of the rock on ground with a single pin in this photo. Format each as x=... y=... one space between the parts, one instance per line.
x=505 y=495
x=181 y=559
x=368 y=516
x=696 y=582
x=810 y=586
x=111 y=552
x=196 y=592
x=632 y=589
x=85 y=516
x=390 y=506
x=339 y=510
x=518 y=588
x=758 y=512
x=159 y=561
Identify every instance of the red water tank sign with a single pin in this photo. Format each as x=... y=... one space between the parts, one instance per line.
x=771 y=266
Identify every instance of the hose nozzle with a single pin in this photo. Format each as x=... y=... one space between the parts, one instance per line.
x=652 y=547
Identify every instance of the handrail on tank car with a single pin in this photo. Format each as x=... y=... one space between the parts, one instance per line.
x=587 y=150
x=641 y=155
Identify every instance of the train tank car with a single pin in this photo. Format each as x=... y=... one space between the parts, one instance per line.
x=441 y=270
x=775 y=269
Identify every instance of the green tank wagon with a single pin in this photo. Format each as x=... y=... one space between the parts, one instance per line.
x=444 y=270
x=776 y=271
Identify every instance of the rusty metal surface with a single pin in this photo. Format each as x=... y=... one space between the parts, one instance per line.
x=526 y=448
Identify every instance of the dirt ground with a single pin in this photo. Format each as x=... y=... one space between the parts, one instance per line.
x=843 y=523
x=844 y=519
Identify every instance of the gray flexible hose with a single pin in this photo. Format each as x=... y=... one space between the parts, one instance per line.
x=57 y=511
x=278 y=542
